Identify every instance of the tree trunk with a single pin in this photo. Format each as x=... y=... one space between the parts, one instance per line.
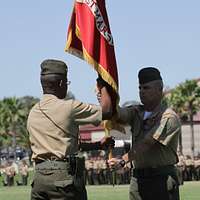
x=14 y=146
x=192 y=134
x=180 y=143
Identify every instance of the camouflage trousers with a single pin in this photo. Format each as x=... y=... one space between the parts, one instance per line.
x=53 y=182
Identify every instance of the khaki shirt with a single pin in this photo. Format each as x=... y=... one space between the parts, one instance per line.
x=23 y=170
x=163 y=125
x=103 y=164
x=10 y=171
x=88 y=164
x=53 y=125
x=189 y=162
x=197 y=163
x=181 y=162
x=96 y=164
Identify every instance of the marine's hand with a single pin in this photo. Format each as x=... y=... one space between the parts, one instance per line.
x=116 y=163
x=125 y=157
x=98 y=93
x=100 y=82
x=107 y=142
x=113 y=162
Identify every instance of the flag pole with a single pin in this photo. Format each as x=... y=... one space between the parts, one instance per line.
x=110 y=151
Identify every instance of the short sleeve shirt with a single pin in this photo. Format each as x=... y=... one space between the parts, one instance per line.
x=163 y=125
x=53 y=125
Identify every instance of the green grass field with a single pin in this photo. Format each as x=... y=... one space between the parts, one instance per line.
x=189 y=191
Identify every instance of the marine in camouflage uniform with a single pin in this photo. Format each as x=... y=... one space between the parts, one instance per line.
x=155 y=131
x=53 y=125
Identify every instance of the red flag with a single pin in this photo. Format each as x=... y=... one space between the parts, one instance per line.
x=90 y=38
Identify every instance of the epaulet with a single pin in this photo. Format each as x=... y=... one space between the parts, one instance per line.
x=137 y=106
x=168 y=113
x=130 y=107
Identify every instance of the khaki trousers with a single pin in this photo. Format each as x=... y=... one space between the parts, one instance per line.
x=52 y=182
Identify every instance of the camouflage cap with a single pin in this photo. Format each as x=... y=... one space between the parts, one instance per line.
x=149 y=74
x=51 y=66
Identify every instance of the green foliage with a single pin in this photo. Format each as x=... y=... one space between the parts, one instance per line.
x=11 y=114
x=185 y=98
x=28 y=102
x=13 y=117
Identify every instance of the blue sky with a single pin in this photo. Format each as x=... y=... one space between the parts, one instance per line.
x=165 y=34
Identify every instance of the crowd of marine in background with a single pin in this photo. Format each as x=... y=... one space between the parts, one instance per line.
x=97 y=171
x=14 y=173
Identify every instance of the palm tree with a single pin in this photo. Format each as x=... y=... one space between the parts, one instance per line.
x=174 y=99
x=23 y=140
x=13 y=117
x=185 y=99
x=11 y=113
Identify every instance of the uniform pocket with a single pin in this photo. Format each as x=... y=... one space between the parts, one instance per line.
x=63 y=183
x=46 y=172
x=171 y=183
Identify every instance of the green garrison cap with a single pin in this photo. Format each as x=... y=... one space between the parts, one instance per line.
x=149 y=74
x=51 y=66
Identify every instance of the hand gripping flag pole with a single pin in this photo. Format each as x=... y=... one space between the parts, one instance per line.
x=89 y=38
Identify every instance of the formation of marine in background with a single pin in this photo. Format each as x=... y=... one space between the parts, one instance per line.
x=97 y=171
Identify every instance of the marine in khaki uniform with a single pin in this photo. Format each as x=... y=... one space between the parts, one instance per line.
x=89 y=172
x=155 y=132
x=189 y=162
x=96 y=171
x=10 y=174
x=197 y=168
x=53 y=125
x=181 y=168
x=103 y=171
x=23 y=171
